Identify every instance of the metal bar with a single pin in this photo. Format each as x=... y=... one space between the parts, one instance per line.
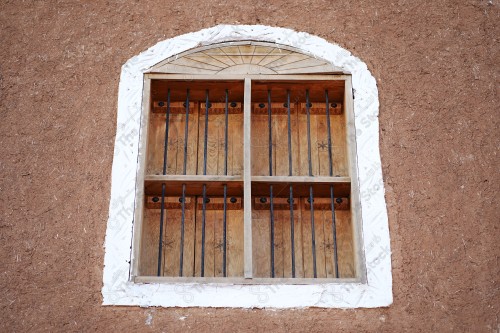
x=311 y=196
x=162 y=214
x=271 y=206
x=204 y=207
x=183 y=204
x=224 y=257
x=332 y=204
x=290 y=173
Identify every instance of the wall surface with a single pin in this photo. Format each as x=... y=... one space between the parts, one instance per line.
x=436 y=64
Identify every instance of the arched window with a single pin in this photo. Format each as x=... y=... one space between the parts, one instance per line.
x=248 y=177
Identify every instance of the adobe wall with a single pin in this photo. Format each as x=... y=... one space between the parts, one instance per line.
x=436 y=65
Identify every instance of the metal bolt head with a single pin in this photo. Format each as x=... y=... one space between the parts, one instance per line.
x=184 y=104
x=285 y=105
x=181 y=200
x=310 y=105
x=309 y=200
x=262 y=105
x=233 y=200
x=338 y=200
x=155 y=199
x=263 y=200
x=233 y=104
x=207 y=200
x=161 y=103
x=209 y=105
x=333 y=105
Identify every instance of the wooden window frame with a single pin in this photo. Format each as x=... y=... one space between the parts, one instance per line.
x=360 y=267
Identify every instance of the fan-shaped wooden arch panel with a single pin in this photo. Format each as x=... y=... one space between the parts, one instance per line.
x=244 y=58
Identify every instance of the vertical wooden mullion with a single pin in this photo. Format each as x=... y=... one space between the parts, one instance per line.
x=352 y=167
x=247 y=180
x=139 y=202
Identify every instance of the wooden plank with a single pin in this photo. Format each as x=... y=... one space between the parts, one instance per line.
x=210 y=220
x=320 y=189
x=213 y=144
x=306 y=240
x=172 y=236
x=240 y=281
x=322 y=146
x=156 y=137
x=299 y=241
x=345 y=245
x=275 y=77
x=279 y=221
x=280 y=145
x=235 y=243
x=219 y=239
x=189 y=241
x=235 y=142
x=261 y=243
x=260 y=145
x=339 y=145
x=329 y=245
x=319 y=225
x=194 y=186
x=139 y=194
x=360 y=268
x=247 y=217
x=149 y=243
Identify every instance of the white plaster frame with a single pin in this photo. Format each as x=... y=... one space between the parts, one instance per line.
x=117 y=287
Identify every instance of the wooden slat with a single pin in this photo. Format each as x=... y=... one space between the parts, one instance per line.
x=235 y=143
x=306 y=241
x=345 y=245
x=149 y=242
x=339 y=145
x=241 y=281
x=260 y=145
x=319 y=108
x=194 y=185
x=175 y=107
x=235 y=243
x=261 y=253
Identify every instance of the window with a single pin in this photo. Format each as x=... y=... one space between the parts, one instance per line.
x=282 y=60
x=232 y=164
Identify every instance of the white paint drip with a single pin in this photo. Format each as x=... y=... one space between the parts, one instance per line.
x=118 y=290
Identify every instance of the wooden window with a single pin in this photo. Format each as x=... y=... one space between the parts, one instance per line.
x=227 y=198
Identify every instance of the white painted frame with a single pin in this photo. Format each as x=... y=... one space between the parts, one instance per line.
x=118 y=289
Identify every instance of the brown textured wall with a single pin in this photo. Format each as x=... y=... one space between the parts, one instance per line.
x=436 y=63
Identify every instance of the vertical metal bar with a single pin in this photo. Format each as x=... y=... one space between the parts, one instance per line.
x=162 y=213
x=311 y=196
x=224 y=257
x=183 y=203
x=204 y=207
x=270 y=129
x=332 y=203
x=290 y=173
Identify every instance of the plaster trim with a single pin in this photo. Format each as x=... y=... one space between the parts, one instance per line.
x=118 y=290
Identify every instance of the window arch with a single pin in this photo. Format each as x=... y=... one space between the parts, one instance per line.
x=228 y=56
